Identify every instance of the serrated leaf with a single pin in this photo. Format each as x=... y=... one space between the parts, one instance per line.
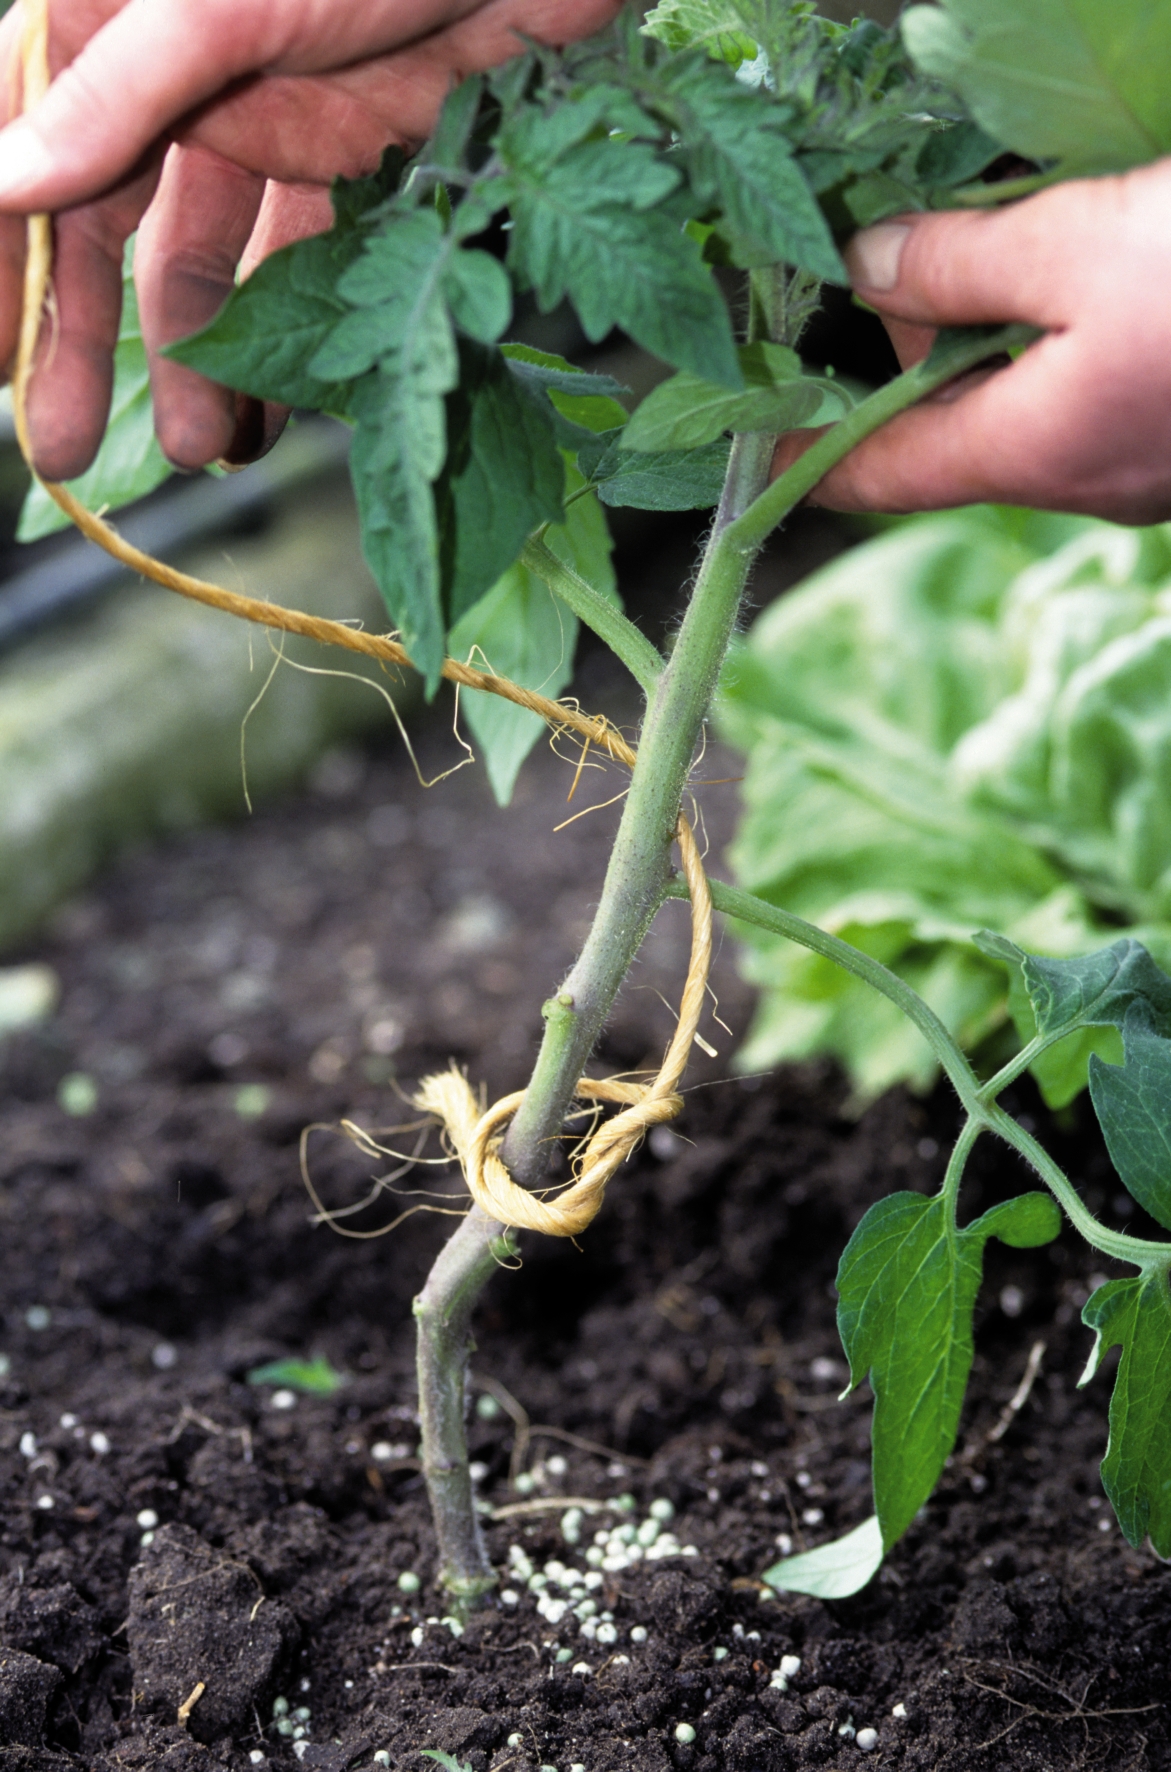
x=687 y=412
x=907 y=1285
x=272 y=326
x=1068 y=80
x=833 y=1571
x=956 y=154
x=739 y=160
x=1089 y=990
x=397 y=277
x=1133 y=1104
x=457 y=120
x=502 y=479
x=398 y=451
x=632 y=266
x=479 y=294
x=522 y=631
x=676 y=480
x=129 y=463
x=587 y=401
x=715 y=25
x=1135 y=1314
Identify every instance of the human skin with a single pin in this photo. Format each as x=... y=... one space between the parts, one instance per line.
x=213 y=127
x=1082 y=421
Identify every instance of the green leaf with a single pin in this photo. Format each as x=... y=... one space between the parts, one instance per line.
x=398 y=451
x=522 y=631
x=587 y=401
x=587 y=228
x=907 y=1286
x=457 y=120
x=738 y=162
x=1135 y=1314
x=446 y=1760
x=479 y=294
x=718 y=27
x=129 y=463
x=397 y=279
x=956 y=154
x=503 y=477
x=314 y=1378
x=1133 y=1104
x=833 y=1571
x=271 y=327
x=675 y=480
x=687 y=412
x=1068 y=80
x=1089 y=990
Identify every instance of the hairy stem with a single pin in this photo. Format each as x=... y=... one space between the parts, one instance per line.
x=597 y=612
x=636 y=880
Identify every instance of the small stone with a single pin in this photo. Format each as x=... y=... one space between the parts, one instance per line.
x=899 y=1710
x=28 y=1445
x=684 y=1734
x=164 y=1357
x=45 y=1503
x=38 y=1317
x=382 y=1757
x=719 y=1653
x=417 y=1637
x=866 y=1740
x=257 y=1756
x=283 y=1399
x=581 y=1667
x=513 y=1741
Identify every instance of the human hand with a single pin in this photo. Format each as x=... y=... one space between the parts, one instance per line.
x=216 y=125
x=1082 y=421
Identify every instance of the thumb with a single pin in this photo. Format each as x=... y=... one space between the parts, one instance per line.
x=967 y=268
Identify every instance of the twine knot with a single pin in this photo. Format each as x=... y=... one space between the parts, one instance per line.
x=476 y=1136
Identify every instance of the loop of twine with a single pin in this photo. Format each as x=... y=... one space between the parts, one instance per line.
x=475 y=1136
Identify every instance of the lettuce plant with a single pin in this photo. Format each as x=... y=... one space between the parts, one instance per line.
x=620 y=175
x=964 y=723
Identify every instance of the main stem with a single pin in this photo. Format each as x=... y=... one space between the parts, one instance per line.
x=635 y=885
x=637 y=881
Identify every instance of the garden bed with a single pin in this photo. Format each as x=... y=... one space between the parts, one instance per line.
x=226 y=990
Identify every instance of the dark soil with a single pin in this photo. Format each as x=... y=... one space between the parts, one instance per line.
x=224 y=991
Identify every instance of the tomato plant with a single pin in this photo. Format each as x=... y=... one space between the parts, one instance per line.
x=721 y=145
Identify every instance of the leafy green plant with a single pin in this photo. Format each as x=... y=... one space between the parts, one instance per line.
x=621 y=175
x=958 y=724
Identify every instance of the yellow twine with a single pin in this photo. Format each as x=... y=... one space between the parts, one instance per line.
x=447 y=1095
x=475 y=1136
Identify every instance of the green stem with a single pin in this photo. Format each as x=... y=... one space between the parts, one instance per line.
x=605 y=618
x=957 y=1163
x=953 y=354
x=735 y=902
x=636 y=879
x=982 y=1113
x=1113 y=1243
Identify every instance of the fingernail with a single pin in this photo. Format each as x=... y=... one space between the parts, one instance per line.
x=872 y=257
x=24 y=161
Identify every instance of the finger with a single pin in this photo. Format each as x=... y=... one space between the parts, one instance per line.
x=186 y=255
x=68 y=399
x=1029 y=435
x=1025 y=262
x=288 y=213
x=148 y=66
